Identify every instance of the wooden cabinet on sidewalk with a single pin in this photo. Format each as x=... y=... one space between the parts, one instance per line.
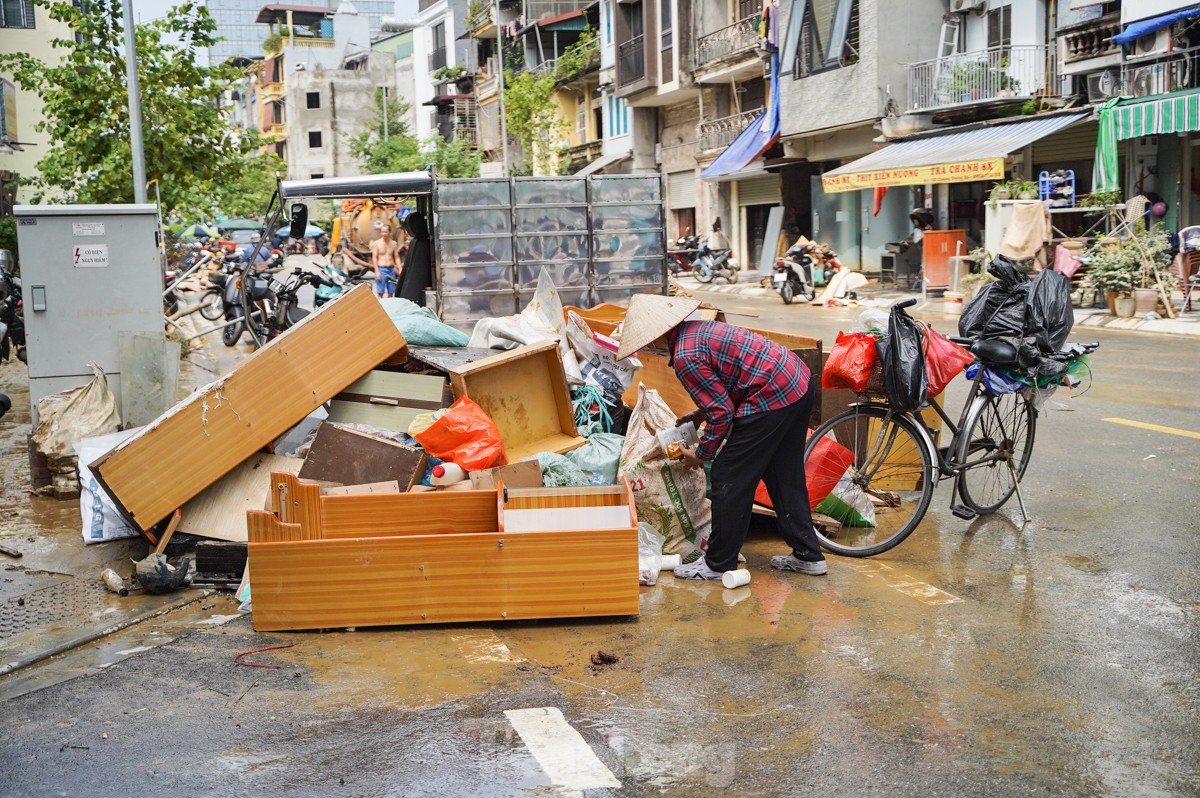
x=939 y=247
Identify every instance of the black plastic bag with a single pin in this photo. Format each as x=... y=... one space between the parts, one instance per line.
x=1048 y=313
x=903 y=357
x=998 y=310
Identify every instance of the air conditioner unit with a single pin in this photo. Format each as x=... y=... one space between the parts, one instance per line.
x=1147 y=80
x=1156 y=43
x=1101 y=86
x=962 y=6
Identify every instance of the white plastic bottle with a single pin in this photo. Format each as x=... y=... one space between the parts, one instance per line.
x=447 y=473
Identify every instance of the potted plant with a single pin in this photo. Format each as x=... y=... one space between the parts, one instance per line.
x=1022 y=188
x=979 y=276
x=1000 y=191
x=1151 y=249
x=1113 y=271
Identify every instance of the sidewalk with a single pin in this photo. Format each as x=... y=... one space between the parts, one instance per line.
x=1185 y=324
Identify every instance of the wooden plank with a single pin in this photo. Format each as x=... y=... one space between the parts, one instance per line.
x=525 y=393
x=219 y=511
x=436 y=513
x=447 y=578
x=447 y=358
x=363 y=490
x=350 y=457
x=298 y=502
x=219 y=426
x=387 y=399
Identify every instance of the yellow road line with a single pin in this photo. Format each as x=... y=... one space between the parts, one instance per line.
x=1154 y=427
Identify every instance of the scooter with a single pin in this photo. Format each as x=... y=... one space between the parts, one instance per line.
x=283 y=300
x=12 y=318
x=802 y=268
x=710 y=264
x=683 y=256
x=231 y=294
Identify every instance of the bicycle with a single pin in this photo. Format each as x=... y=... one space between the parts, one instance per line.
x=895 y=463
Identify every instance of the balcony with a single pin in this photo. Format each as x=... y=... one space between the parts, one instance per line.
x=997 y=74
x=736 y=39
x=584 y=154
x=277 y=130
x=467 y=135
x=538 y=10
x=1090 y=42
x=270 y=90
x=1173 y=71
x=437 y=59
x=720 y=133
x=631 y=61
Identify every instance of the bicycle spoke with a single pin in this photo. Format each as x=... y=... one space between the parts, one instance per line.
x=995 y=451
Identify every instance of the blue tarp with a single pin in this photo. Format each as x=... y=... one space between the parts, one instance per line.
x=1138 y=29
x=758 y=136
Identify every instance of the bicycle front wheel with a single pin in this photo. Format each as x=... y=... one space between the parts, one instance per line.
x=999 y=432
x=879 y=477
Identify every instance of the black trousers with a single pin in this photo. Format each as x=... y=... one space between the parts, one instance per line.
x=769 y=447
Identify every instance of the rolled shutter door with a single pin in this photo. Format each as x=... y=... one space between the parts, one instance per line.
x=759 y=191
x=681 y=190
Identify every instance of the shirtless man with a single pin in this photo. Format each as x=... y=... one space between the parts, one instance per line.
x=385 y=260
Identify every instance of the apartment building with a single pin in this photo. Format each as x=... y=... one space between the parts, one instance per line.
x=242 y=36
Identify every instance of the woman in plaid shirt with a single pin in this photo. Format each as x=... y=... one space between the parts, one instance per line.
x=753 y=396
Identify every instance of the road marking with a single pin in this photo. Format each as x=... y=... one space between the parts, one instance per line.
x=1154 y=427
x=484 y=647
x=921 y=591
x=561 y=751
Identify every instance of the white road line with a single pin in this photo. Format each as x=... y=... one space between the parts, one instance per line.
x=921 y=591
x=560 y=750
x=484 y=647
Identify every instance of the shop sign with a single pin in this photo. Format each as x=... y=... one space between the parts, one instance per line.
x=960 y=172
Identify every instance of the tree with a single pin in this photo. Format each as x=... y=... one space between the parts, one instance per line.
x=192 y=149
x=391 y=148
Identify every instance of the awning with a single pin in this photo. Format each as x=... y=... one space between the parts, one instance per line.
x=1140 y=28
x=602 y=163
x=974 y=153
x=756 y=139
x=1128 y=118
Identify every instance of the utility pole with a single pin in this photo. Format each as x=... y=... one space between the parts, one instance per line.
x=386 y=113
x=500 y=85
x=136 y=145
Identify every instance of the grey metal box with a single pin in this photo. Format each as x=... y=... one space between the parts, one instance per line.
x=98 y=269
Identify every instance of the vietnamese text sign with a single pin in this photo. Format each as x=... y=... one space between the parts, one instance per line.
x=90 y=256
x=961 y=172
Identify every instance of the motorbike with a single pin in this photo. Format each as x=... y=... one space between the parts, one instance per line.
x=12 y=318
x=681 y=258
x=231 y=294
x=338 y=281
x=802 y=268
x=283 y=300
x=712 y=263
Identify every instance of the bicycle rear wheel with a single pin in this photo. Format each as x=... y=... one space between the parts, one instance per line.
x=1002 y=428
x=884 y=474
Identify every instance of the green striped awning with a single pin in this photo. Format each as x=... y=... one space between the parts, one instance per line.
x=1127 y=118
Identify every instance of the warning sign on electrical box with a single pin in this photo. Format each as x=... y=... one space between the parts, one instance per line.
x=91 y=256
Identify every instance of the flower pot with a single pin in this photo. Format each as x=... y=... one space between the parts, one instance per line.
x=1124 y=306
x=1003 y=194
x=1145 y=300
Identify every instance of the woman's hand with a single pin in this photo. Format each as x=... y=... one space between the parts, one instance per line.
x=696 y=417
x=688 y=456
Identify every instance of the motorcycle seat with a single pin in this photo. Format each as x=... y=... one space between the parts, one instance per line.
x=217 y=278
x=1001 y=353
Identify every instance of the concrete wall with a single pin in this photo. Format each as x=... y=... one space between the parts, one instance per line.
x=678 y=137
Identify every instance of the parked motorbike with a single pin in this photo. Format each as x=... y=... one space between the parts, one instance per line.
x=710 y=264
x=283 y=300
x=12 y=318
x=259 y=289
x=802 y=268
x=681 y=258
x=338 y=281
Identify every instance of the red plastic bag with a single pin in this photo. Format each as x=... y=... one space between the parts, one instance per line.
x=466 y=436
x=850 y=362
x=822 y=471
x=944 y=360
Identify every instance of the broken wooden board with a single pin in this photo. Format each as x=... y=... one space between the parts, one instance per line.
x=387 y=399
x=219 y=511
x=220 y=425
x=350 y=457
x=219 y=563
x=416 y=558
x=525 y=474
x=447 y=358
x=524 y=391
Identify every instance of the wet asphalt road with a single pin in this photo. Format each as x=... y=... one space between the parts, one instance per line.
x=990 y=658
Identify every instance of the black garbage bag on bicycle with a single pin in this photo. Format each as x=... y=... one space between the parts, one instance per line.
x=902 y=355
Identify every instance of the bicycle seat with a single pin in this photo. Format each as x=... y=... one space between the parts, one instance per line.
x=998 y=352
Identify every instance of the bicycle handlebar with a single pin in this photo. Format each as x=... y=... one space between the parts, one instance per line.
x=908 y=303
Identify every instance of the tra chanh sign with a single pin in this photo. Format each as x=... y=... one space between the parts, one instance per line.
x=960 y=172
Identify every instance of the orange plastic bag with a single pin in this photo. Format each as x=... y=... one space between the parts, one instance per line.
x=822 y=471
x=944 y=360
x=465 y=436
x=850 y=362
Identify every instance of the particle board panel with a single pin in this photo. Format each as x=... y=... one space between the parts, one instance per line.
x=524 y=391
x=446 y=578
x=219 y=511
x=432 y=513
x=387 y=399
x=351 y=457
x=220 y=425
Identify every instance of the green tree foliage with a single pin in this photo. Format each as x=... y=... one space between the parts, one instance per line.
x=399 y=151
x=194 y=152
x=531 y=115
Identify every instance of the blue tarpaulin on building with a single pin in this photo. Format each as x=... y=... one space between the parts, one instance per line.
x=758 y=136
x=1138 y=29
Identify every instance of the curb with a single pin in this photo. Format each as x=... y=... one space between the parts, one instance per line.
x=96 y=634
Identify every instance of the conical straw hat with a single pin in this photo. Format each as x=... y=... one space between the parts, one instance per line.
x=649 y=316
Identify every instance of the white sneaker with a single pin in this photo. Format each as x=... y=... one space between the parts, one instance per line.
x=789 y=562
x=697 y=570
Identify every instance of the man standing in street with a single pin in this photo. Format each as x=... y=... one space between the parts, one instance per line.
x=384 y=257
x=753 y=395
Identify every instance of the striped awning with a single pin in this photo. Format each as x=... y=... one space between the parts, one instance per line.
x=1128 y=118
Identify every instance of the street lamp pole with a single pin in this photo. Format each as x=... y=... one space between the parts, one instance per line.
x=136 y=145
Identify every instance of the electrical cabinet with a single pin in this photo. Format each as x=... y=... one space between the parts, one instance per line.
x=91 y=274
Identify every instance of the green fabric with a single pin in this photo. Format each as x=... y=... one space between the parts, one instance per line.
x=421 y=326
x=1128 y=118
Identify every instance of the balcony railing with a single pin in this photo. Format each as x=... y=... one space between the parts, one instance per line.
x=1084 y=44
x=468 y=135
x=631 y=61
x=586 y=152
x=1171 y=71
x=272 y=89
x=537 y=10
x=740 y=37
x=437 y=59
x=720 y=133
x=983 y=75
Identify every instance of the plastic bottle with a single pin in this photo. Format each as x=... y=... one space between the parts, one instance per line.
x=447 y=474
x=114 y=582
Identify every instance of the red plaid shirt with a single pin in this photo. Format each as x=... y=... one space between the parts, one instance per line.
x=731 y=372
